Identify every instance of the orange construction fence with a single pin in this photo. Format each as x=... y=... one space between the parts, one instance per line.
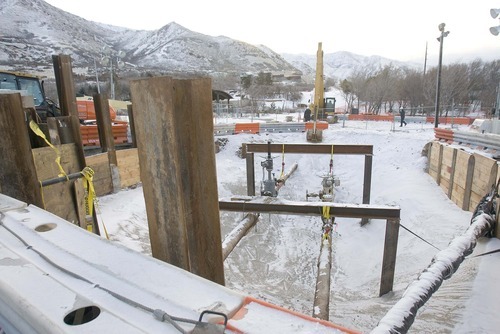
x=86 y=110
x=90 y=133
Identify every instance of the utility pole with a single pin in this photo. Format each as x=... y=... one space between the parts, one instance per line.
x=438 y=86
x=497 y=105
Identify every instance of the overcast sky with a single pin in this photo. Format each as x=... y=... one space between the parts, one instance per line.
x=395 y=29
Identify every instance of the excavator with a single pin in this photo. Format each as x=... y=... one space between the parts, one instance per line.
x=325 y=106
x=32 y=85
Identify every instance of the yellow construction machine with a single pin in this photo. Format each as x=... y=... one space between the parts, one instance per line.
x=320 y=107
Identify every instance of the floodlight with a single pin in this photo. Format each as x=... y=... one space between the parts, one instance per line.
x=495 y=30
x=495 y=12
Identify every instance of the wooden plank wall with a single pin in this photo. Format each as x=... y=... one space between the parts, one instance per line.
x=434 y=160
x=485 y=174
x=463 y=176
x=128 y=166
x=446 y=168
x=103 y=183
x=460 y=178
x=55 y=197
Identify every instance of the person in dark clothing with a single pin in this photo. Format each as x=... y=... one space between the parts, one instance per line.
x=402 y=115
x=307 y=115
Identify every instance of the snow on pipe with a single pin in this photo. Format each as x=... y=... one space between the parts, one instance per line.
x=401 y=316
x=321 y=308
x=232 y=239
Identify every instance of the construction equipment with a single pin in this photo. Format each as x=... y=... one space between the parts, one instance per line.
x=321 y=107
x=32 y=85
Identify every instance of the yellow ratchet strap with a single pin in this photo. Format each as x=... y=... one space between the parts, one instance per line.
x=36 y=129
x=88 y=175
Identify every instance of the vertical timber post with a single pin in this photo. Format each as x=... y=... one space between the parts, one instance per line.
x=452 y=173
x=471 y=164
x=250 y=174
x=131 y=124
x=18 y=178
x=106 y=137
x=367 y=183
x=67 y=100
x=177 y=161
x=103 y=118
x=389 y=260
x=440 y=165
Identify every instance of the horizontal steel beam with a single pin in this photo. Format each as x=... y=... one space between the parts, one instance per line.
x=310 y=148
x=278 y=206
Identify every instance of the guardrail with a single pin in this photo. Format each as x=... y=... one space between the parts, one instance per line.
x=232 y=129
x=483 y=141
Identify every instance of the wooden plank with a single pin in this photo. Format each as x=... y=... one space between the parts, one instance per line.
x=279 y=206
x=177 y=161
x=103 y=183
x=103 y=118
x=131 y=124
x=128 y=166
x=67 y=101
x=484 y=178
x=367 y=181
x=468 y=183
x=434 y=160
x=80 y=202
x=53 y=131
x=447 y=164
x=439 y=166
x=18 y=178
x=390 y=252
x=311 y=148
x=58 y=198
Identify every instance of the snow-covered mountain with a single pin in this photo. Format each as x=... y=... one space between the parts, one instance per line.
x=33 y=31
x=342 y=64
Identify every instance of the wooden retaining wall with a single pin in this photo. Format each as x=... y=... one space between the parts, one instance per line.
x=128 y=170
x=465 y=177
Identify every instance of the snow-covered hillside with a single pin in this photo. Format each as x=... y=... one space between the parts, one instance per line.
x=33 y=30
x=342 y=64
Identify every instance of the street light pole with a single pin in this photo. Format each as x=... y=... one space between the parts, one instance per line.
x=497 y=105
x=438 y=86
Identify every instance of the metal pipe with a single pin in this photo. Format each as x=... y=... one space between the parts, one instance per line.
x=444 y=264
x=321 y=308
x=282 y=181
x=60 y=179
x=235 y=236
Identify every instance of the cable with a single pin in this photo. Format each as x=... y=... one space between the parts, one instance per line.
x=487 y=253
x=427 y=242
x=157 y=313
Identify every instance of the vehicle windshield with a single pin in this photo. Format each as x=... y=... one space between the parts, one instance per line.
x=32 y=86
x=8 y=81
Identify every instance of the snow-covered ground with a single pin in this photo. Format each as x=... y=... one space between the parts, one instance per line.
x=277 y=260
